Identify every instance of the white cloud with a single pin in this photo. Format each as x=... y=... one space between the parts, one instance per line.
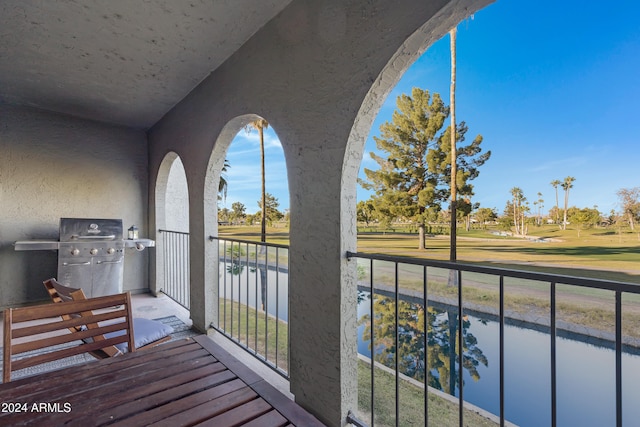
x=562 y=165
x=252 y=139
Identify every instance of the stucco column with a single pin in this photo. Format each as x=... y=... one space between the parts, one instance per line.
x=322 y=296
x=202 y=255
x=312 y=72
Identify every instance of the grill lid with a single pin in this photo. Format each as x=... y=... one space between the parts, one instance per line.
x=75 y=229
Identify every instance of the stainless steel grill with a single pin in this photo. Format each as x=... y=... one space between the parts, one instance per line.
x=91 y=255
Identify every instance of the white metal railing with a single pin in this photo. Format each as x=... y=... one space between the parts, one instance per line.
x=253 y=290
x=175 y=258
x=425 y=275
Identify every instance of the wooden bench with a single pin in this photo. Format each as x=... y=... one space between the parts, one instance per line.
x=147 y=333
x=56 y=331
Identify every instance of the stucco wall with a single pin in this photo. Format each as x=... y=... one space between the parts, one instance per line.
x=54 y=166
x=177 y=199
x=318 y=73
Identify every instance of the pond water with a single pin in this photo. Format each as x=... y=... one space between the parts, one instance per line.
x=243 y=284
x=585 y=372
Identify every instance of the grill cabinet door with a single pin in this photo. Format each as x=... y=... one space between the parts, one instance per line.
x=107 y=275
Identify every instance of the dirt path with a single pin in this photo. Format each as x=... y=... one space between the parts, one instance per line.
x=578 y=310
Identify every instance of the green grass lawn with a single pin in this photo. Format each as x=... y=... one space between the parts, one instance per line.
x=277 y=235
x=594 y=253
x=597 y=253
x=441 y=412
x=261 y=333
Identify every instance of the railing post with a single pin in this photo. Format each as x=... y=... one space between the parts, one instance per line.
x=458 y=276
x=618 y=359
x=425 y=344
x=397 y=343
x=158 y=264
x=502 y=351
x=552 y=334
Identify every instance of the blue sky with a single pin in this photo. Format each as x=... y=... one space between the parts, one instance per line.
x=243 y=175
x=552 y=86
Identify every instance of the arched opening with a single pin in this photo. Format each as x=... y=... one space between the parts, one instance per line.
x=245 y=285
x=242 y=204
x=371 y=304
x=537 y=102
x=172 y=220
x=236 y=159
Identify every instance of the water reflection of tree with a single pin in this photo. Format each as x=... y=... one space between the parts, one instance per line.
x=236 y=256
x=442 y=341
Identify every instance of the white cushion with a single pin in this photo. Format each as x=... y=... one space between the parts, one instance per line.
x=145 y=331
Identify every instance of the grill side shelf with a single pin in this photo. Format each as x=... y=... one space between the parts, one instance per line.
x=36 y=245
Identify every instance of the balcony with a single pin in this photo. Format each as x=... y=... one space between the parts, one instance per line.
x=97 y=102
x=496 y=309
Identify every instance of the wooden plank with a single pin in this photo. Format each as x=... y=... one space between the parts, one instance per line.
x=115 y=401
x=185 y=380
x=238 y=416
x=287 y=407
x=180 y=383
x=172 y=407
x=62 y=324
x=34 y=343
x=92 y=400
x=130 y=375
x=239 y=368
x=6 y=355
x=156 y=398
x=107 y=365
x=65 y=352
x=47 y=311
x=292 y=411
x=272 y=418
x=23 y=385
x=133 y=364
x=185 y=414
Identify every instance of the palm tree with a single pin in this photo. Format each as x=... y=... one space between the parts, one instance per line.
x=454 y=155
x=540 y=205
x=555 y=184
x=518 y=210
x=223 y=184
x=566 y=185
x=260 y=125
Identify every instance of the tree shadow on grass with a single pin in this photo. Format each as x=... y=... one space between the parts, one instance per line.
x=606 y=233
x=620 y=252
x=631 y=254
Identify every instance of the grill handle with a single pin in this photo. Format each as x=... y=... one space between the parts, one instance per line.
x=66 y=264
x=109 y=262
x=109 y=237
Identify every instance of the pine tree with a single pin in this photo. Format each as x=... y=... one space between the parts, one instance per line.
x=413 y=180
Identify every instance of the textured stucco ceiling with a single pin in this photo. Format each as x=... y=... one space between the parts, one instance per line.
x=125 y=62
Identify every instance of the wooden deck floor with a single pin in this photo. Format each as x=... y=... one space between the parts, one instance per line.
x=187 y=382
